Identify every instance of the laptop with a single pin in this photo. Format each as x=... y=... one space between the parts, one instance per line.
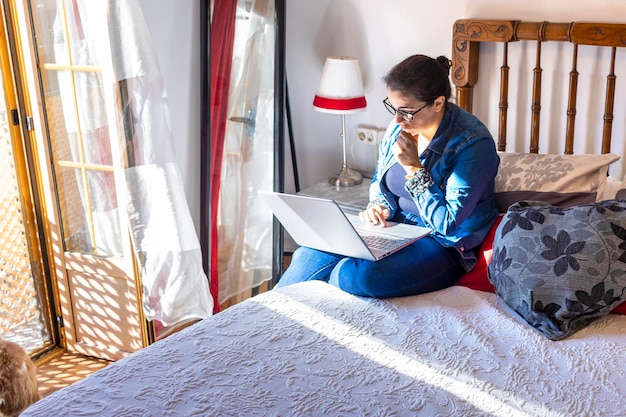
x=321 y=224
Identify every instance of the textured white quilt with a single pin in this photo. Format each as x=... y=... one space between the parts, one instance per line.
x=312 y=350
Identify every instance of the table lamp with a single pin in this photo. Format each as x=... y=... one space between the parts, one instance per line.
x=341 y=92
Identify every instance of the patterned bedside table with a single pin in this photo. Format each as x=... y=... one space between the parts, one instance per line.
x=352 y=199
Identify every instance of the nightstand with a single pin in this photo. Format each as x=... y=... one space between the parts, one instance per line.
x=351 y=199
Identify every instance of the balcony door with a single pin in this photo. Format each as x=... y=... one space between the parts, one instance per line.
x=27 y=313
x=98 y=286
x=94 y=166
x=69 y=277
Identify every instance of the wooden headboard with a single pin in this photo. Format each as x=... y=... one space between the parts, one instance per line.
x=468 y=34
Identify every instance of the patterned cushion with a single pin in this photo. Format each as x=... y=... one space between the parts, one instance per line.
x=561 y=268
x=559 y=180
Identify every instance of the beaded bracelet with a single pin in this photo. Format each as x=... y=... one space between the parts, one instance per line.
x=377 y=202
x=419 y=182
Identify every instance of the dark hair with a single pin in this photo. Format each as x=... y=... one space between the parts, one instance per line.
x=422 y=77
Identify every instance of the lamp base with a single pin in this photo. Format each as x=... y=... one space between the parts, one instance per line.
x=345 y=178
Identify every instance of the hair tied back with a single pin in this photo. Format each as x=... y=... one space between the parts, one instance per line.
x=445 y=63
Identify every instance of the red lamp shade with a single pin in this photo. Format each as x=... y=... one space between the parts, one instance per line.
x=341 y=87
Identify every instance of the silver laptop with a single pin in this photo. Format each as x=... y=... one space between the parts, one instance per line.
x=321 y=224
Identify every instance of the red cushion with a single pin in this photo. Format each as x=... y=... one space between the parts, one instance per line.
x=620 y=309
x=478 y=277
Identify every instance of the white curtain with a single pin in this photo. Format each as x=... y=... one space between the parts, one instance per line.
x=245 y=223
x=132 y=97
x=175 y=286
x=86 y=127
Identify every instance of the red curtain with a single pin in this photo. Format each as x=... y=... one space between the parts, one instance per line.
x=221 y=57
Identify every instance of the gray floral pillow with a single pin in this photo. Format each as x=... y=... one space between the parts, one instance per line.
x=561 y=268
x=560 y=180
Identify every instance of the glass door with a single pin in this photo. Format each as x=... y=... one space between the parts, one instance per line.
x=97 y=278
x=24 y=308
x=27 y=307
x=243 y=153
x=245 y=224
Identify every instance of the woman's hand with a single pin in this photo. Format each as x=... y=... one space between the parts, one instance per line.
x=405 y=150
x=377 y=214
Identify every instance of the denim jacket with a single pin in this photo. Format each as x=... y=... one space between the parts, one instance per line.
x=462 y=160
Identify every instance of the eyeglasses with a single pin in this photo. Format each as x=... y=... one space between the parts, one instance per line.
x=406 y=115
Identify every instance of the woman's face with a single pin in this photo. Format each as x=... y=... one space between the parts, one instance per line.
x=425 y=121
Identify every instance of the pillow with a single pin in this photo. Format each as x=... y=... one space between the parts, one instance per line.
x=478 y=277
x=559 y=180
x=561 y=268
x=613 y=186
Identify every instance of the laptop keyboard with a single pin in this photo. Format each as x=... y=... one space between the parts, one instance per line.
x=382 y=242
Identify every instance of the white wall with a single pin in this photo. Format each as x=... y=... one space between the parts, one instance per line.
x=175 y=29
x=379 y=33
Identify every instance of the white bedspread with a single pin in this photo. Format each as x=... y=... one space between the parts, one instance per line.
x=312 y=350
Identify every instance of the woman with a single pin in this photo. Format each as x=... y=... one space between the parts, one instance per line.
x=436 y=168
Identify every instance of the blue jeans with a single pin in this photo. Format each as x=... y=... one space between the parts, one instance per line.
x=421 y=267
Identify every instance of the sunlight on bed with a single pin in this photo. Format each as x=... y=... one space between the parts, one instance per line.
x=376 y=350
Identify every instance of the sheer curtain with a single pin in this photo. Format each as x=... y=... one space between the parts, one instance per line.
x=134 y=105
x=175 y=286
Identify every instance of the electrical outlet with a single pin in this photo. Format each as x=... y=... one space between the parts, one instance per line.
x=368 y=136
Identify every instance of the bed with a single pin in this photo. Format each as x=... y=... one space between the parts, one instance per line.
x=469 y=350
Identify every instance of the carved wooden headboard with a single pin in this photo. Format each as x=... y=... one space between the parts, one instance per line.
x=468 y=34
